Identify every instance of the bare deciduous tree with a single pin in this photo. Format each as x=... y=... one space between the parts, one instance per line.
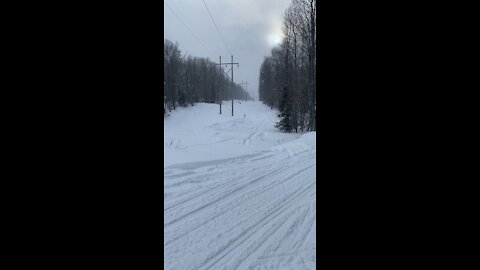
x=291 y=67
x=188 y=80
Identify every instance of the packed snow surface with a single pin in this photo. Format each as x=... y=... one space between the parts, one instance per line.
x=238 y=194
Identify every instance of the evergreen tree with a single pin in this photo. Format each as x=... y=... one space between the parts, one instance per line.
x=285 y=113
x=182 y=99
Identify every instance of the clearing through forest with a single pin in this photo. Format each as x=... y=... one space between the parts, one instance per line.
x=238 y=193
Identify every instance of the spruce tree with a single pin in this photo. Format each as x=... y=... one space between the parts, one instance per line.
x=182 y=99
x=285 y=113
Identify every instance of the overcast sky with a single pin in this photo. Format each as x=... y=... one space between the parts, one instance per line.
x=250 y=29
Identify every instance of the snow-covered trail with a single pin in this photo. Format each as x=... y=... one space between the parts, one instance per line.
x=252 y=205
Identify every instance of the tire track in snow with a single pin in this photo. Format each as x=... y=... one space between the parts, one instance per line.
x=235 y=191
x=254 y=193
x=287 y=203
x=255 y=245
x=236 y=180
x=246 y=225
x=208 y=191
x=212 y=176
x=225 y=210
x=284 y=239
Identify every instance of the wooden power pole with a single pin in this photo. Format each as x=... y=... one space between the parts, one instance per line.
x=232 y=63
x=246 y=87
x=220 y=90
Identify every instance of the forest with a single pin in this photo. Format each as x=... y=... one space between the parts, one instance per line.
x=189 y=80
x=287 y=79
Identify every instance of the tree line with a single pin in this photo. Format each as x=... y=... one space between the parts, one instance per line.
x=189 y=80
x=287 y=76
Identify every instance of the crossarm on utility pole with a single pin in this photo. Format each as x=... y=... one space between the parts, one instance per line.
x=231 y=63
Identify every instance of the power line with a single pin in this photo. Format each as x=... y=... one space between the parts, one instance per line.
x=216 y=27
x=185 y=18
x=191 y=32
x=252 y=91
x=239 y=70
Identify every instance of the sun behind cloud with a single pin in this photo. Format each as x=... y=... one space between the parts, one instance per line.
x=275 y=38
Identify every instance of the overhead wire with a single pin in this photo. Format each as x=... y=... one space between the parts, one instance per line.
x=216 y=27
x=188 y=28
x=193 y=34
x=241 y=75
x=219 y=33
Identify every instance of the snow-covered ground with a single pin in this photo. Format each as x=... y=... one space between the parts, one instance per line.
x=238 y=194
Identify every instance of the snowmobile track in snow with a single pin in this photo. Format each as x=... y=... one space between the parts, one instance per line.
x=243 y=196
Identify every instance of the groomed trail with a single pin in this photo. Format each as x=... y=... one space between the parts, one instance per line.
x=238 y=194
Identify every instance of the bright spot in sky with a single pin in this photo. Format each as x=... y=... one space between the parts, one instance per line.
x=275 y=38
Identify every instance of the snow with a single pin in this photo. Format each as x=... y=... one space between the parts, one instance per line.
x=238 y=194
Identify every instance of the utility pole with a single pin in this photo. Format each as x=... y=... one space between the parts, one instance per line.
x=232 y=63
x=242 y=83
x=246 y=87
x=220 y=90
